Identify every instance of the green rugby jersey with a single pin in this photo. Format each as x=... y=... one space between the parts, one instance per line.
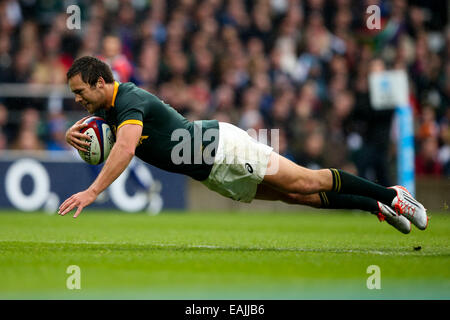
x=157 y=145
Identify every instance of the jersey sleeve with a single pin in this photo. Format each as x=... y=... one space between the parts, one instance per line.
x=130 y=113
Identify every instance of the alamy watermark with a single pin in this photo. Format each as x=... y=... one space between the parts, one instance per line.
x=74 y=20
x=374 y=19
x=374 y=281
x=237 y=148
x=74 y=280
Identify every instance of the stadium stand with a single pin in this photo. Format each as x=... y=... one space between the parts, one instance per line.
x=301 y=66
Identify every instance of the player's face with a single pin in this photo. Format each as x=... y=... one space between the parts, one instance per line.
x=92 y=98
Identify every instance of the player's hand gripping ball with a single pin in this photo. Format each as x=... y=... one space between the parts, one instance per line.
x=102 y=140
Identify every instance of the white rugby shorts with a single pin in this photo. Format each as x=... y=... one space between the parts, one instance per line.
x=240 y=164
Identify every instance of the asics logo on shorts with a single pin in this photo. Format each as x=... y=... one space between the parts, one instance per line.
x=249 y=167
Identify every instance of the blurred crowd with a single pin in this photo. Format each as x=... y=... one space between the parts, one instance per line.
x=300 y=66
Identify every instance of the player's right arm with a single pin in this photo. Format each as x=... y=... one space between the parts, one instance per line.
x=119 y=158
x=74 y=136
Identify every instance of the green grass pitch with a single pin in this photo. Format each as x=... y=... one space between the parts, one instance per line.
x=221 y=255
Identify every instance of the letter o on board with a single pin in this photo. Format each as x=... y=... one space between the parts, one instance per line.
x=13 y=188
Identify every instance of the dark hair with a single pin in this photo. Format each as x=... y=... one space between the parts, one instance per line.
x=90 y=69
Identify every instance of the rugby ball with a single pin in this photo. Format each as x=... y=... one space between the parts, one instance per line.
x=102 y=140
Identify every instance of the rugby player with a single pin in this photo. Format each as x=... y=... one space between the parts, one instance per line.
x=236 y=166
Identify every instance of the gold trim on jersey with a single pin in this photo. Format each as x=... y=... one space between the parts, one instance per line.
x=141 y=139
x=132 y=121
x=116 y=88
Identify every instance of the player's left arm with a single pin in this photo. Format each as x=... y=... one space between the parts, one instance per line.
x=120 y=156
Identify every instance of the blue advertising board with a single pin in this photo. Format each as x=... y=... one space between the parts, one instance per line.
x=42 y=183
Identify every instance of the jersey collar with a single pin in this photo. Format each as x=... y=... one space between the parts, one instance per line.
x=116 y=88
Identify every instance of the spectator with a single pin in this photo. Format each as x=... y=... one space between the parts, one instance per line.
x=27 y=140
x=3 y=142
x=27 y=137
x=312 y=156
x=6 y=128
x=57 y=133
x=112 y=54
x=427 y=162
x=374 y=127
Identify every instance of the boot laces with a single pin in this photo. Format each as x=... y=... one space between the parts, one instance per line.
x=404 y=207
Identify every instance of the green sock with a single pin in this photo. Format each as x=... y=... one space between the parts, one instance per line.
x=334 y=200
x=344 y=182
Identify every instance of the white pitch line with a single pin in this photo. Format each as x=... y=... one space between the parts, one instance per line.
x=225 y=248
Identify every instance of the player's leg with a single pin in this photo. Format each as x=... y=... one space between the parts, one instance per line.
x=287 y=177
x=265 y=192
x=324 y=200
x=333 y=200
